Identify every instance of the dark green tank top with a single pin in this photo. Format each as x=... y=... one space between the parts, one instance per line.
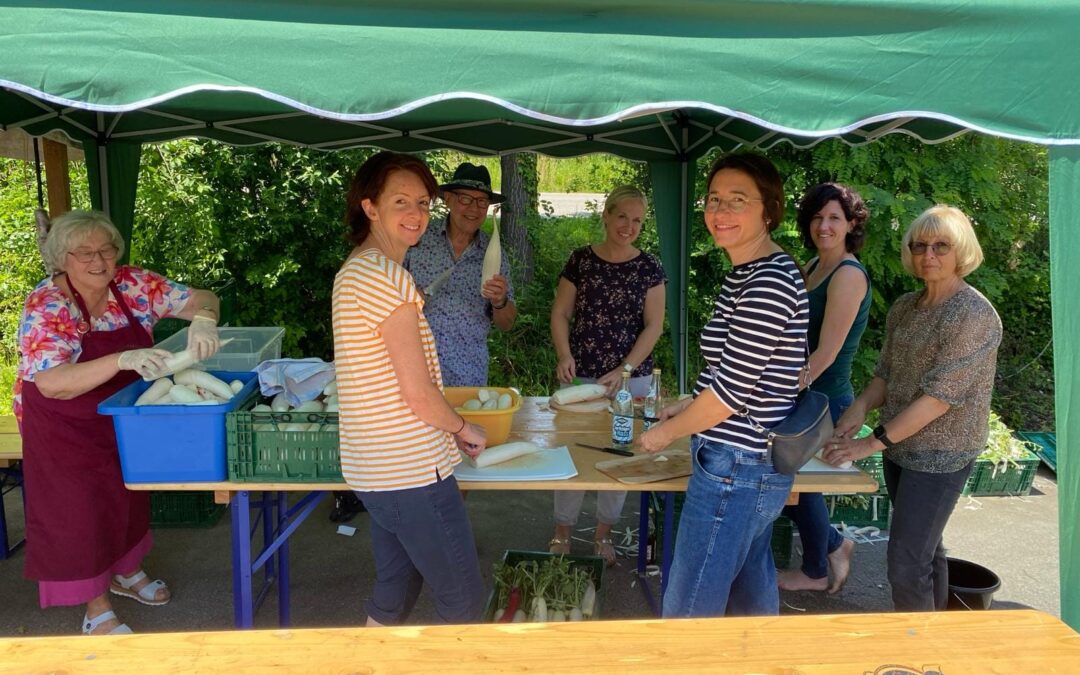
x=836 y=380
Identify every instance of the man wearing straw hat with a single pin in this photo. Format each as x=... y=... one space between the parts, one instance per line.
x=447 y=265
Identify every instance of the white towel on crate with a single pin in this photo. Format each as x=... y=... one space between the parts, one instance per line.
x=300 y=379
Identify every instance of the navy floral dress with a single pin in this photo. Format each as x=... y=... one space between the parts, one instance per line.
x=609 y=309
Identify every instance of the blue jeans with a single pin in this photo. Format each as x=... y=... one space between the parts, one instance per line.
x=811 y=516
x=723 y=554
x=417 y=535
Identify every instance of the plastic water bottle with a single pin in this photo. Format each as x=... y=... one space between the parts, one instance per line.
x=653 y=402
x=622 y=419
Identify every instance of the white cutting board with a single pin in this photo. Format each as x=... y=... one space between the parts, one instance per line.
x=816 y=465
x=551 y=464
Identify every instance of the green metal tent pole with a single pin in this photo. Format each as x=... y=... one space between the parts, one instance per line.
x=113 y=173
x=1065 y=303
x=667 y=192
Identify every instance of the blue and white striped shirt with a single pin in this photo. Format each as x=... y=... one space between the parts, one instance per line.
x=755 y=344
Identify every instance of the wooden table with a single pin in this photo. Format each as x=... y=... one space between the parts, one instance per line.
x=949 y=643
x=533 y=422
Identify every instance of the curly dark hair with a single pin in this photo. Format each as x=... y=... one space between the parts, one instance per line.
x=764 y=174
x=369 y=181
x=850 y=202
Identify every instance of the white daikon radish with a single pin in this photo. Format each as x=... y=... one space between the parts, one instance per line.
x=155 y=392
x=332 y=399
x=581 y=392
x=262 y=427
x=280 y=403
x=330 y=389
x=236 y=386
x=331 y=407
x=309 y=406
x=483 y=395
x=262 y=407
x=490 y=404
x=164 y=400
x=181 y=394
x=206 y=381
x=504 y=453
x=493 y=254
x=294 y=426
x=181 y=360
x=472 y=404
x=505 y=401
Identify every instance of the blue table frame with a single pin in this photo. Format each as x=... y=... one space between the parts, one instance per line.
x=14 y=475
x=271 y=516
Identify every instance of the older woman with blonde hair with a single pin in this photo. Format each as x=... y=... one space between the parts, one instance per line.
x=933 y=384
x=85 y=333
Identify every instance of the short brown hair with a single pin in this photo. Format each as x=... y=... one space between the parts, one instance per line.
x=369 y=182
x=764 y=174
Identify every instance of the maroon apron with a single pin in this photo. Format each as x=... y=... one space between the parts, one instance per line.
x=80 y=519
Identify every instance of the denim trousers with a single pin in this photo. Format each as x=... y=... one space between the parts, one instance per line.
x=922 y=504
x=423 y=535
x=723 y=555
x=819 y=538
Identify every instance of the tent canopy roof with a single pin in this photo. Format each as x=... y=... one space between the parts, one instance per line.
x=643 y=79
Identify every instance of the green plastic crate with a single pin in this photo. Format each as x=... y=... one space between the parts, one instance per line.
x=783 y=529
x=269 y=455
x=877 y=514
x=184 y=509
x=595 y=565
x=984 y=481
x=1046 y=446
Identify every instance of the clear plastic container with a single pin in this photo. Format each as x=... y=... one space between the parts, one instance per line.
x=250 y=346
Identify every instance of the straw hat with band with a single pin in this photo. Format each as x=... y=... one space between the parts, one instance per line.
x=469 y=176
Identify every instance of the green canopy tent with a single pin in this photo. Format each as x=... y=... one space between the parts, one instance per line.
x=661 y=82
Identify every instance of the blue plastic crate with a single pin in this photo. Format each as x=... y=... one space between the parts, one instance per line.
x=173 y=443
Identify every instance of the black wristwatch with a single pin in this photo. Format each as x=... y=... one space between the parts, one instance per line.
x=879 y=433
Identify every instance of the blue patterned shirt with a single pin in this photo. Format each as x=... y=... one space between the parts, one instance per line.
x=459 y=316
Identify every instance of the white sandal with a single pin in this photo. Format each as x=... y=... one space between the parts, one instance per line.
x=90 y=625
x=147 y=595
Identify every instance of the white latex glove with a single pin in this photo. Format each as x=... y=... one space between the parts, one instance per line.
x=146 y=362
x=202 y=337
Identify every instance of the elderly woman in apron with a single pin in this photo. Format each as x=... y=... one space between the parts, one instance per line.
x=85 y=334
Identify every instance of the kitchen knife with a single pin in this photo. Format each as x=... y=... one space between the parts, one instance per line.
x=614 y=451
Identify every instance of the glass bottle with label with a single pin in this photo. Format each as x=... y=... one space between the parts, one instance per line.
x=653 y=401
x=622 y=418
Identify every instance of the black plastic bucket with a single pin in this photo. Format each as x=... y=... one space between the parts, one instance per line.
x=971 y=586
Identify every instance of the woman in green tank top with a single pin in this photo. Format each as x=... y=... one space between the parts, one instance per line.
x=831 y=219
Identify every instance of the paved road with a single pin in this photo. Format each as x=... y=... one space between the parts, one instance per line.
x=572 y=203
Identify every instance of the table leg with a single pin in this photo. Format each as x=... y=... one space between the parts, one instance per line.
x=668 y=544
x=283 y=561
x=15 y=475
x=243 y=612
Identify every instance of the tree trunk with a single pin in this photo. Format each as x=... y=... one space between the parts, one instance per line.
x=519 y=185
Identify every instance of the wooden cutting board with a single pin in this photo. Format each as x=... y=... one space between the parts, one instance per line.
x=645 y=468
x=593 y=406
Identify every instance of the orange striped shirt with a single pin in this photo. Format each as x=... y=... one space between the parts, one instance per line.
x=384 y=445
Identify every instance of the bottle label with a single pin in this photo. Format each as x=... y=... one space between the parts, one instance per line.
x=622 y=430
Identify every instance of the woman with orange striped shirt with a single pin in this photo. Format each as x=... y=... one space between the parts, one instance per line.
x=399 y=438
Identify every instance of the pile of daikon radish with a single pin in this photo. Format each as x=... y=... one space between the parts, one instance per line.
x=488 y=399
x=189 y=387
x=327 y=402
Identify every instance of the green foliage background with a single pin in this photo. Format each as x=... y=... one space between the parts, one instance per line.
x=270 y=218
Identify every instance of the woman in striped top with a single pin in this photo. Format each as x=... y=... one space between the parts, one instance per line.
x=399 y=437
x=754 y=348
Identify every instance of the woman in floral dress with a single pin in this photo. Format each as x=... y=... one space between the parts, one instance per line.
x=607 y=317
x=86 y=332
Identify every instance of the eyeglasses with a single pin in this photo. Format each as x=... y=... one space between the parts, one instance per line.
x=733 y=204
x=939 y=247
x=467 y=200
x=84 y=256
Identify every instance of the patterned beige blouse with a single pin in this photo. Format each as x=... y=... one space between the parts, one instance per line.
x=948 y=351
